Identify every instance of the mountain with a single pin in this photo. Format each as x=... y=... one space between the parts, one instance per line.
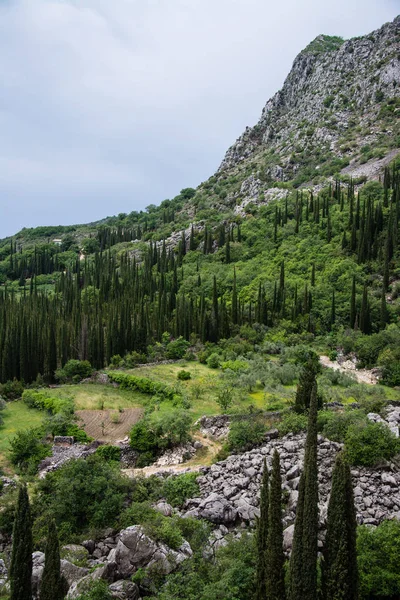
x=337 y=109
x=296 y=234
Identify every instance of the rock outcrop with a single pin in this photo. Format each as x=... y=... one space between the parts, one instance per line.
x=333 y=87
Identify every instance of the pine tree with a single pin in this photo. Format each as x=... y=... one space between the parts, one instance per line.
x=339 y=566
x=21 y=555
x=52 y=585
x=262 y=535
x=275 y=558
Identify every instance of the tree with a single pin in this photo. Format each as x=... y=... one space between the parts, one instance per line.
x=339 y=566
x=303 y=560
x=262 y=535
x=21 y=555
x=275 y=558
x=305 y=386
x=52 y=586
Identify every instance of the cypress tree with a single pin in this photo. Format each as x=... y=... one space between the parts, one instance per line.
x=310 y=517
x=21 y=555
x=262 y=535
x=384 y=312
x=303 y=560
x=333 y=310
x=275 y=558
x=52 y=585
x=339 y=566
x=305 y=387
x=353 y=303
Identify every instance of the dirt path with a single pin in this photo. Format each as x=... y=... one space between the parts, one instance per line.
x=202 y=458
x=349 y=368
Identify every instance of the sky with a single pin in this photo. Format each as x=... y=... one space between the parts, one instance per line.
x=109 y=106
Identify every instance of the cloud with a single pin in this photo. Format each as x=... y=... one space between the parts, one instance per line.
x=110 y=106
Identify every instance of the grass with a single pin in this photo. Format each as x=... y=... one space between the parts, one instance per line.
x=210 y=381
x=92 y=396
x=16 y=416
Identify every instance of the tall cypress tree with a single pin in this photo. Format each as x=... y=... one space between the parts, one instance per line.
x=310 y=517
x=303 y=560
x=339 y=566
x=262 y=535
x=305 y=387
x=275 y=558
x=21 y=555
x=53 y=584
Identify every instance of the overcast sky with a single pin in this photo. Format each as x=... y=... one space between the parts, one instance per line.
x=107 y=106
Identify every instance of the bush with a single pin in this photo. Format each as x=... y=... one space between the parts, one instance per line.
x=143 y=384
x=246 y=433
x=368 y=445
x=213 y=361
x=27 y=450
x=74 y=370
x=184 y=375
x=160 y=431
x=11 y=390
x=292 y=423
x=109 y=453
x=177 y=489
x=334 y=425
x=82 y=494
x=96 y=590
x=177 y=348
x=378 y=552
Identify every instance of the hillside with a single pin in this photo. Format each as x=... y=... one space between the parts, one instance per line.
x=250 y=245
x=258 y=312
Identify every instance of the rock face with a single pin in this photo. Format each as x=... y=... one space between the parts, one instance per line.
x=333 y=86
x=230 y=490
x=136 y=550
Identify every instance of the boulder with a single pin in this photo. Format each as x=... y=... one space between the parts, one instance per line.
x=75 y=553
x=136 y=550
x=124 y=590
x=164 y=508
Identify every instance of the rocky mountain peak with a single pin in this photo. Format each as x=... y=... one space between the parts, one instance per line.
x=331 y=102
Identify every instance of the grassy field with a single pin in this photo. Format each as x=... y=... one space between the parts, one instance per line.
x=16 y=416
x=92 y=396
x=203 y=387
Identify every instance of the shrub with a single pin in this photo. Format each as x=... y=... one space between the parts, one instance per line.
x=292 y=423
x=11 y=390
x=334 y=425
x=109 y=453
x=184 y=375
x=378 y=551
x=96 y=590
x=82 y=494
x=142 y=384
x=177 y=348
x=74 y=370
x=246 y=433
x=177 y=489
x=213 y=361
x=368 y=445
x=159 y=431
x=27 y=449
